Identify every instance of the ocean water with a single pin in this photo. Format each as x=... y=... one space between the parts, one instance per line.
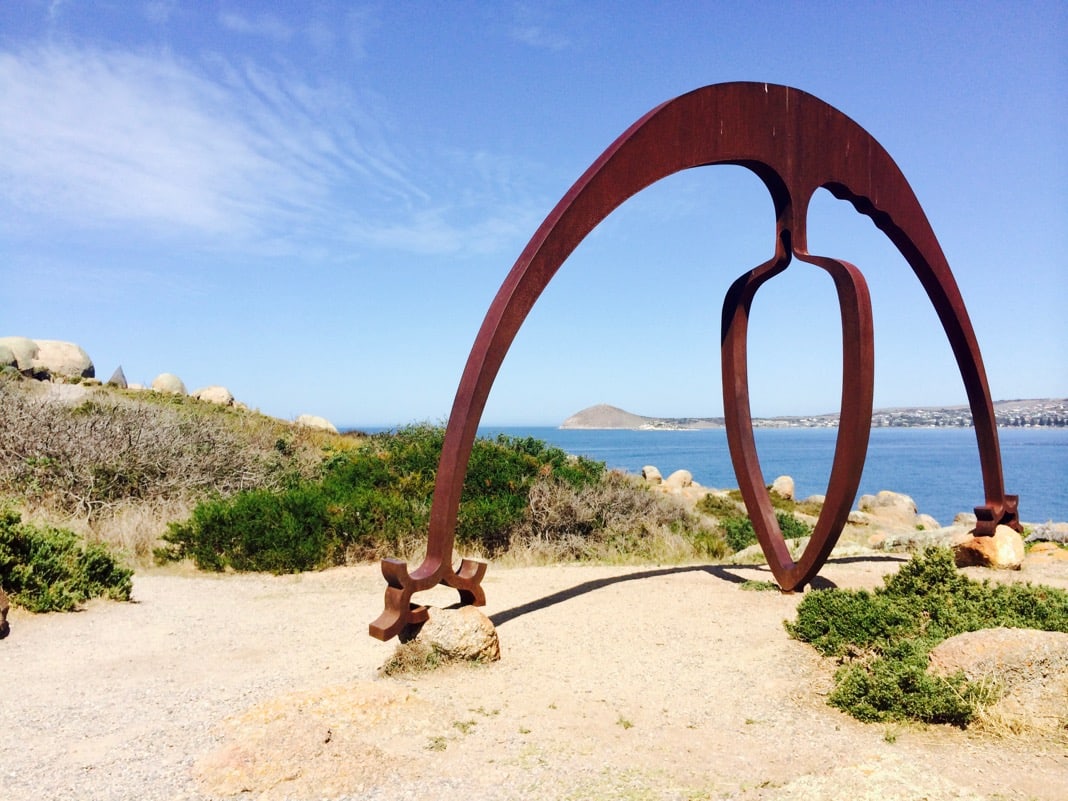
x=937 y=467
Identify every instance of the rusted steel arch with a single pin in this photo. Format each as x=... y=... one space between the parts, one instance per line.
x=796 y=144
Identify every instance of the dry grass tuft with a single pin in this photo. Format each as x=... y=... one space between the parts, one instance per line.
x=412 y=658
x=117 y=466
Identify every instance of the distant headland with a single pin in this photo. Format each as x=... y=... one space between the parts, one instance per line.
x=1042 y=413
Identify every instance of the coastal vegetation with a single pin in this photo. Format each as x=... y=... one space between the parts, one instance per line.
x=882 y=639
x=147 y=475
x=97 y=482
x=46 y=569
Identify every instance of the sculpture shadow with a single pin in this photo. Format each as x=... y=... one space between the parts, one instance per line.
x=721 y=572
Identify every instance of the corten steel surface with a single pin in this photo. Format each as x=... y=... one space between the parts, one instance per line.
x=796 y=144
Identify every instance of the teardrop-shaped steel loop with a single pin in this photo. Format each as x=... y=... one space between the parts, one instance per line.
x=854 y=422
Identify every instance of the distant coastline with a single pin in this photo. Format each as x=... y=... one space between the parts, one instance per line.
x=1040 y=413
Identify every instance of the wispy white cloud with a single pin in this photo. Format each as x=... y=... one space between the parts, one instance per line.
x=266 y=25
x=532 y=25
x=541 y=37
x=235 y=153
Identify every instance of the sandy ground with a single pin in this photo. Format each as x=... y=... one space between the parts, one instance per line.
x=614 y=683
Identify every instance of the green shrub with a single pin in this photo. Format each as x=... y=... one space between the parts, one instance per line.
x=47 y=569
x=369 y=499
x=740 y=534
x=720 y=507
x=883 y=637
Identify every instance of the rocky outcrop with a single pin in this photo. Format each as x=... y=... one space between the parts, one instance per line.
x=1049 y=532
x=45 y=358
x=168 y=382
x=1002 y=551
x=460 y=635
x=1028 y=667
x=215 y=394
x=679 y=485
x=314 y=421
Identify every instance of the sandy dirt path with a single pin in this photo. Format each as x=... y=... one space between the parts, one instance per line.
x=614 y=683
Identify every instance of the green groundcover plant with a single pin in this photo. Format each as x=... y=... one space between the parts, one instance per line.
x=883 y=638
x=47 y=569
x=737 y=528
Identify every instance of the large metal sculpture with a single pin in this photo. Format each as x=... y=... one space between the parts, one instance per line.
x=796 y=144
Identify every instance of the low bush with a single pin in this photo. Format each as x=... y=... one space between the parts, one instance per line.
x=883 y=637
x=368 y=500
x=604 y=520
x=109 y=449
x=46 y=569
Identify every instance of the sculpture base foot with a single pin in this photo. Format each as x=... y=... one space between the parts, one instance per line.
x=989 y=517
x=400 y=612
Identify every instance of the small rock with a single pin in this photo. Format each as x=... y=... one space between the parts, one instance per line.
x=314 y=421
x=783 y=486
x=1002 y=551
x=215 y=394
x=168 y=382
x=651 y=474
x=460 y=635
x=680 y=479
x=965 y=519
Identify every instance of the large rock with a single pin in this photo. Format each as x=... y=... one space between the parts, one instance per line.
x=889 y=506
x=63 y=359
x=1029 y=667
x=168 y=382
x=651 y=474
x=23 y=349
x=314 y=421
x=1002 y=551
x=215 y=394
x=460 y=635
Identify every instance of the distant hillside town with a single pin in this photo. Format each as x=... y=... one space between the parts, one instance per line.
x=1042 y=413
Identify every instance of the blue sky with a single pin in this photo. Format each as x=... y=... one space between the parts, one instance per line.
x=314 y=203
